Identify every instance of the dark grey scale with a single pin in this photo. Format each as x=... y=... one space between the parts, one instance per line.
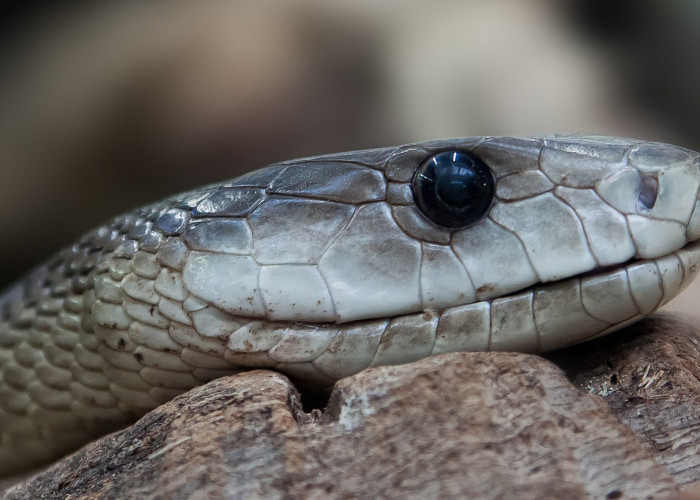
x=115 y=223
x=613 y=149
x=172 y=253
x=34 y=288
x=22 y=321
x=59 y=285
x=230 y=202
x=399 y=193
x=47 y=281
x=112 y=241
x=84 y=243
x=78 y=284
x=106 y=241
x=49 y=305
x=127 y=248
x=23 y=316
x=559 y=154
x=140 y=229
x=510 y=155
x=125 y=223
x=87 y=279
x=192 y=202
x=258 y=178
x=74 y=258
x=146 y=212
x=94 y=249
x=372 y=158
x=152 y=241
x=463 y=144
x=172 y=222
x=5 y=314
x=219 y=235
x=102 y=261
x=5 y=303
x=188 y=200
x=333 y=181
x=156 y=210
x=100 y=238
x=401 y=165
x=88 y=263
x=307 y=222
x=418 y=226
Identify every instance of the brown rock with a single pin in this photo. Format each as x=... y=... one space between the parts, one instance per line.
x=649 y=374
x=478 y=425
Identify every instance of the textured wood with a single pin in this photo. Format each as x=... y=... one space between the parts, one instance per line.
x=649 y=374
x=472 y=424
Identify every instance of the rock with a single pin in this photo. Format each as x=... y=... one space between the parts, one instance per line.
x=649 y=374
x=479 y=425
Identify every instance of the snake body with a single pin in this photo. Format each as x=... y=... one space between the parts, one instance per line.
x=324 y=266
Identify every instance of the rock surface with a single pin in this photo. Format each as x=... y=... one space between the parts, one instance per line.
x=480 y=425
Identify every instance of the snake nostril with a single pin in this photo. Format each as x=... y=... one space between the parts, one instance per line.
x=453 y=188
x=648 y=190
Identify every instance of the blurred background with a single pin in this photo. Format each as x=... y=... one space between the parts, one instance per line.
x=108 y=105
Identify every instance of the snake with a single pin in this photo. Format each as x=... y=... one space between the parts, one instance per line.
x=321 y=267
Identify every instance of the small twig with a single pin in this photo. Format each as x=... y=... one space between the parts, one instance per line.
x=167 y=448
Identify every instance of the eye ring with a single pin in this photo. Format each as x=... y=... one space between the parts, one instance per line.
x=453 y=188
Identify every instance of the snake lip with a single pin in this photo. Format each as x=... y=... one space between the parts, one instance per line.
x=688 y=257
x=608 y=268
x=630 y=262
x=687 y=272
x=688 y=267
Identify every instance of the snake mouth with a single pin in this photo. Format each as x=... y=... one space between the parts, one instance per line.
x=540 y=318
x=649 y=283
x=595 y=303
x=688 y=249
x=612 y=296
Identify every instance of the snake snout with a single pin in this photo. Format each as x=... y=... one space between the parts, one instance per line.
x=657 y=192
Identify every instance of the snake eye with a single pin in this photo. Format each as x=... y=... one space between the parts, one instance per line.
x=453 y=189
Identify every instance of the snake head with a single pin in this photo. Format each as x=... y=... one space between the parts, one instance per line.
x=345 y=237
x=322 y=266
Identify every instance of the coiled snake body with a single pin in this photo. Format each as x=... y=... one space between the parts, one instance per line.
x=324 y=266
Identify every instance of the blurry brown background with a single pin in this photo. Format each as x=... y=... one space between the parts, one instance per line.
x=105 y=107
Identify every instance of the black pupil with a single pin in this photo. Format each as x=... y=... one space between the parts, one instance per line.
x=453 y=189
x=456 y=184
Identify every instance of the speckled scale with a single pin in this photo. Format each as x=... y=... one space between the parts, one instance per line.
x=311 y=224
x=172 y=222
x=229 y=202
x=333 y=181
x=510 y=154
x=261 y=178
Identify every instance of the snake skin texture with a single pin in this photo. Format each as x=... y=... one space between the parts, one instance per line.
x=324 y=266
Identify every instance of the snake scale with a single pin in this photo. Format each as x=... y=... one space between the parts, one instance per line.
x=324 y=266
